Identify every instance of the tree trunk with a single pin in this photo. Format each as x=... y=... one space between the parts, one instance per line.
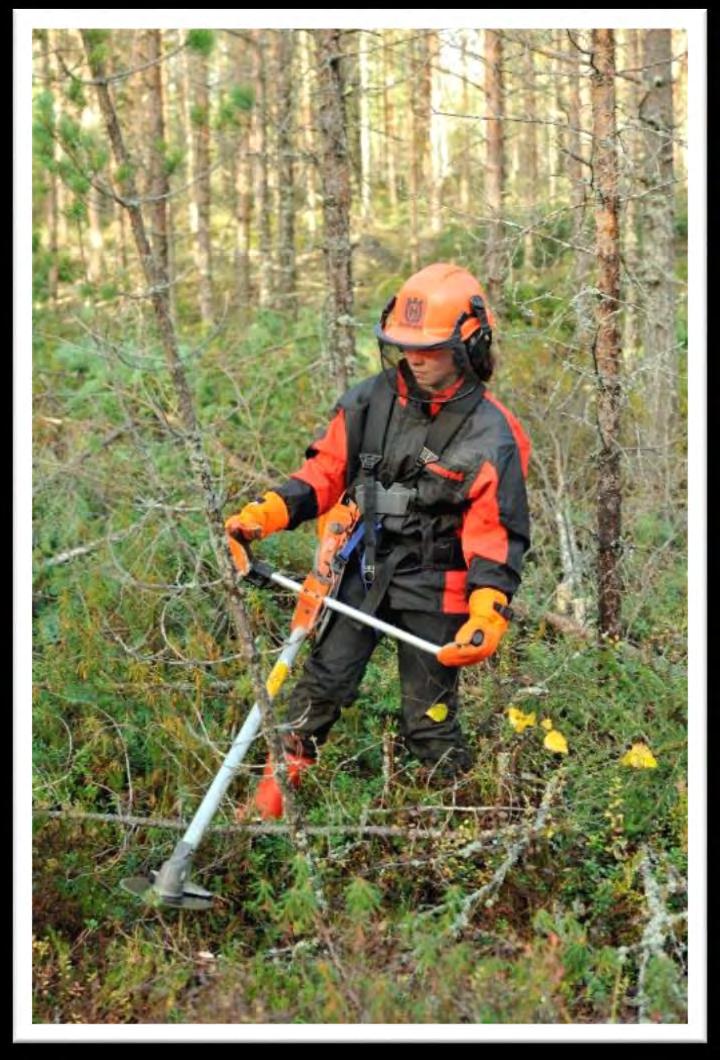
x=95 y=239
x=578 y=170
x=241 y=169
x=415 y=168
x=262 y=188
x=494 y=168
x=199 y=97
x=51 y=199
x=286 y=169
x=308 y=139
x=365 y=146
x=158 y=185
x=607 y=343
x=464 y=162
x=656 y=117
x=630 y=217
x=529 y=158
x=438 y=136
x=389 y=119
x=335 y=178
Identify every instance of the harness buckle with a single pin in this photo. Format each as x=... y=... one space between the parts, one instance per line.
x=426 y=456
x=369 y=461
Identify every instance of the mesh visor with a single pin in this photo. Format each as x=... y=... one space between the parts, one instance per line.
x=394 y=355
x=394 y=362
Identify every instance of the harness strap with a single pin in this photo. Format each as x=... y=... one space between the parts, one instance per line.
x=382 y=399
x=446 y=424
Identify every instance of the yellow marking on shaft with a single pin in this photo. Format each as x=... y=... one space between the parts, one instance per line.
x=276 y=677
x=438 y=712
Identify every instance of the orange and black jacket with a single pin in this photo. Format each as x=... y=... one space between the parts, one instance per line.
x=468 y=526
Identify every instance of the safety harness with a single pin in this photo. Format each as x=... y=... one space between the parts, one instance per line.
x=376 y=501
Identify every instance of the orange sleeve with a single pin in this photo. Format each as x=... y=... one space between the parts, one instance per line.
x=325 y=465
x=495 y=532
x=483 y=534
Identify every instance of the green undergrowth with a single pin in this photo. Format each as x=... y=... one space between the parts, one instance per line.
x=139 y=685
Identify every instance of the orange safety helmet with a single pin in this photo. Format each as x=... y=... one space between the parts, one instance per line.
x=441 y=305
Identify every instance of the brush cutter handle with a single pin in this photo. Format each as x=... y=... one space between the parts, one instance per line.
x=262 y=574
x=361 y=616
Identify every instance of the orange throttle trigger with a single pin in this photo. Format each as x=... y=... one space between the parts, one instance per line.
x=240 y=554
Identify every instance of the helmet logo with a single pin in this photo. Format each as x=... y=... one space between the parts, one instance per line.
x=414 y=311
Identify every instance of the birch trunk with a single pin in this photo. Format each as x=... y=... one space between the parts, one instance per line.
x=656 y=116
x=607 y=342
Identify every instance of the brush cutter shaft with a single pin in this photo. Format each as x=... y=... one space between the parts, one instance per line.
x=361 y=616
x=208 y=807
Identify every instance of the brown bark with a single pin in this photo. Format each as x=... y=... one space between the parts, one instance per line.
x=286 y=169
x=656 y=116
x=336 y=188
x=607 y=341
x=494 y=167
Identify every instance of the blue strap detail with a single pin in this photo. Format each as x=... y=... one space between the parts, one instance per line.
x=350 y=546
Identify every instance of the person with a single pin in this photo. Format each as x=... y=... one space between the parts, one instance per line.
x=437 y=465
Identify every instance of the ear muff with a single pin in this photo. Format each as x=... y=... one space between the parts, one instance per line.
x=387 y=311
x=480 y=341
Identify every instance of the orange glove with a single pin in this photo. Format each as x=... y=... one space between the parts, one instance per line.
x=259 y=518
x=481 y=634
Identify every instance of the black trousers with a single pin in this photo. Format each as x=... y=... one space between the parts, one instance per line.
x=331 y=677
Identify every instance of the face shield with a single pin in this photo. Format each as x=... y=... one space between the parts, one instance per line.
x=399 y=360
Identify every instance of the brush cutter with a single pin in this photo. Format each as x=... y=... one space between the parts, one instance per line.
x=171 y=884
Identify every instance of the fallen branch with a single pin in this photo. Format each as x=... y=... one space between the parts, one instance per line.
x=267 y=829
x=250 y=829
x=487 y=892
x=657 y=928
x=82 y=550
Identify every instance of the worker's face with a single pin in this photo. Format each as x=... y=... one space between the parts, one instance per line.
x=433 y=369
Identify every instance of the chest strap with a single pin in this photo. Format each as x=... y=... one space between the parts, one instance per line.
x=382 y=400
x=446 y=424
